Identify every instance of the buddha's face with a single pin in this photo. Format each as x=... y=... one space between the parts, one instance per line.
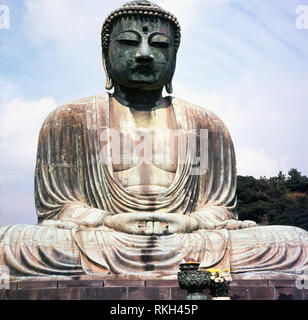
x=141 y=53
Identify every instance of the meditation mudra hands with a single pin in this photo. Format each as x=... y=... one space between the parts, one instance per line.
x=149 y=223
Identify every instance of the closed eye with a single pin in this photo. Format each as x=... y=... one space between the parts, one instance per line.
x=159 y=41
x=129 y=42
x=158 y=44
x=129 y=38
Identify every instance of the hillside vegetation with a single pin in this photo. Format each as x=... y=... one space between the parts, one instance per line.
x=281 y=200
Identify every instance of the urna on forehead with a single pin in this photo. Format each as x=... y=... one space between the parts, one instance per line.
x=143 y=13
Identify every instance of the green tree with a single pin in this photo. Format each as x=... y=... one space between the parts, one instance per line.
x=280 y=200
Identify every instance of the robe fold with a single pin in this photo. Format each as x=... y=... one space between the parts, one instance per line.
x=74 y=181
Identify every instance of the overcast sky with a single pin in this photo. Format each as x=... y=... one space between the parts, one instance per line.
x=245 y=60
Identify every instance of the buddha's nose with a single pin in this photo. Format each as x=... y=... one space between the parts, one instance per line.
x=144 y=53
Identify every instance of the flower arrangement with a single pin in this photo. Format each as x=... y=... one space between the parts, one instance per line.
x=219 y=284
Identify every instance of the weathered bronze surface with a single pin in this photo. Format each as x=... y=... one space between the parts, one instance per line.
x=130 y=183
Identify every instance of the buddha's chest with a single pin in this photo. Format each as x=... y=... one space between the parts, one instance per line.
x=131 y=147
x=144 y=147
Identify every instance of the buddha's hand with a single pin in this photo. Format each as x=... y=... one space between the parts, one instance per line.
x=235 y=224
x=151 y=223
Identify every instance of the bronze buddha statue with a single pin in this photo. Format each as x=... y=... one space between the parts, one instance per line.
x=119 y=185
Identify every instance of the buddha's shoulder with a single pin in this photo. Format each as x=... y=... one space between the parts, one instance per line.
x=89 y=101
x=82 y=105
x=199 y=115
x=75 y=110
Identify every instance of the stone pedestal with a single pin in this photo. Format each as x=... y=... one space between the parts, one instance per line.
x=105 y=288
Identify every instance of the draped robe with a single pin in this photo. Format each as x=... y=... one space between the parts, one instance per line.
x=74 y=181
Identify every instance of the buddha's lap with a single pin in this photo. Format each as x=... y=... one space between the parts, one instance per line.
x=270 y=248
x=242 y=238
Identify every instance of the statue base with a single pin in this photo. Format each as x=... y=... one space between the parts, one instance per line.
x=123 y=288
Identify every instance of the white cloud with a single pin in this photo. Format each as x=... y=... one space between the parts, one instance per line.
x=20 y=123
x=187 y=10
x=7 y=89
x=71 y=23
x=257 y=163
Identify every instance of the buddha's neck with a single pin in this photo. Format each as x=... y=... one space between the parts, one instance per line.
x=139 y=99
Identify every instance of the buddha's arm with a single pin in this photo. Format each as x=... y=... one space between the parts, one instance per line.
x=77 y=215
x=67 y=193
x=215 y=217
x=216 y=207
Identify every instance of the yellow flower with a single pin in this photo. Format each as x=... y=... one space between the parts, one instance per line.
x=226 y=270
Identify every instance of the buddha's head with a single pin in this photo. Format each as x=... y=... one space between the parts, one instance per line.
x=140 y=42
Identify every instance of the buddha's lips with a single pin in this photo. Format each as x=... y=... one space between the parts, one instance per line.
x=144 y=68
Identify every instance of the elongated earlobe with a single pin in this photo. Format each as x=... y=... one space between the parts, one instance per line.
x=109 y=82
x=169 y=87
